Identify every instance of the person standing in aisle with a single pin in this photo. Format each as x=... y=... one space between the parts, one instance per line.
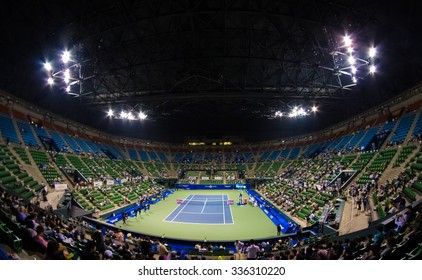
x=279 y=229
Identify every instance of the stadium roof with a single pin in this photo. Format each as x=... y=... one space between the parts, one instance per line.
x=209 y=68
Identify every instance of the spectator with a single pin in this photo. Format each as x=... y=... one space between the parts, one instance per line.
x=89 y=252
x=399 y=221
x=161 y=248
x=108 y=255
x=239 y=247
x=98 y=238
x=379 y=235
x=39 y=238
x=252 y=250
x=54 y=251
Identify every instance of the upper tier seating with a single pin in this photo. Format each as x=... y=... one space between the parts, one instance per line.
x=402 y=128
x=8 y=129
x=27 y=134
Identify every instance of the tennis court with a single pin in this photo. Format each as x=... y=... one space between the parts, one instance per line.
x=246 y=221
x=202 y=209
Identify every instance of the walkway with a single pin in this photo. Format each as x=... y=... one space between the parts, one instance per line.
x=353 y=219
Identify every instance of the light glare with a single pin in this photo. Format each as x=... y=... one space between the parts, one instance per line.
x=372 y=52
x=50 y=81
x=110 y=113
x=142 y=116
x=297 y=112
x=372 y=69
x=66 y=56
x=47 y=66
x=347 y=41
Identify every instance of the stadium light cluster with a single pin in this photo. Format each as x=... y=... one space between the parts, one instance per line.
x=64 y=72
x=127 y=115
x=351 y=60
x=68 y=70
x=297 y=112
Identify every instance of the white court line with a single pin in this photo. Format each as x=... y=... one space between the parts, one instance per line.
x=202 y=213
x=206 y=224
x=231 y=213
x=205 y=203
x=224 y=212
x=180 y=211
x=196 y=213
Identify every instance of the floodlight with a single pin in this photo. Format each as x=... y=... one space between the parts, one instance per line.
x=66 y=56
x=347 y=41
x=127 y=114
x=47 y=66
x=372 y=52
x=50 y=81
x=142 y=116
x=297 y=111
x=66 y=70
x=347 y=61
x=372 y=69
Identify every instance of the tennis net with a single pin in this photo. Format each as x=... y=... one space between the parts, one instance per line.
x=202 y=202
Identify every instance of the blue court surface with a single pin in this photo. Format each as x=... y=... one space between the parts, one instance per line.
x=202 y=209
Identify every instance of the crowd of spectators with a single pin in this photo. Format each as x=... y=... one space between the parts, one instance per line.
x=304 y=180
x=56 y=237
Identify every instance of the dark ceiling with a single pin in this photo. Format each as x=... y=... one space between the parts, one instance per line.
x=209 y=68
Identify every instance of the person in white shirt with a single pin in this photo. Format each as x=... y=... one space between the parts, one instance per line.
x=252 y=250
x=239 y=247
x=399 y=221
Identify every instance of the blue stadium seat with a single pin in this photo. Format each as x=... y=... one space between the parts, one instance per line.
x=27 y=134
x=8 y=129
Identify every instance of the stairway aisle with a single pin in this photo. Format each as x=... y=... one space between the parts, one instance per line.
x=412 y=127
x=353 y=219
